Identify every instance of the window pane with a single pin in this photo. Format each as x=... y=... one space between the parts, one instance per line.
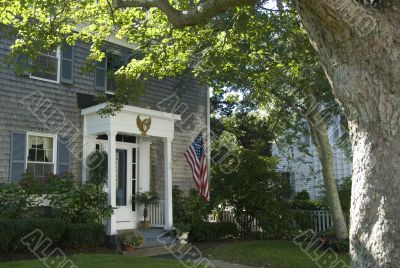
x=49 y=156
x=32 y=155
x=46 y=67
x=40 y=157
x=121 y=177
x=40 y=170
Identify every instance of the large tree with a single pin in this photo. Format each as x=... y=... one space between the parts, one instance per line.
x=358 y=45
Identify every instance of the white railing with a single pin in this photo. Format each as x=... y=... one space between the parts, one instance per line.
x=317 y=220
x=322 y=220
x=156 y=214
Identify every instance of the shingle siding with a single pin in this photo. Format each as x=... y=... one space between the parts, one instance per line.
x=14 y=116
x=307 y=173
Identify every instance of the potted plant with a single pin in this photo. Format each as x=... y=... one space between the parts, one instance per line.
x=146 y=198
x=130 y=240
x=182 y=232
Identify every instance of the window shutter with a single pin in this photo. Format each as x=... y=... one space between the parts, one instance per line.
x=100 y=75
x=67 y=64
x=18 y=156
x=63 y=159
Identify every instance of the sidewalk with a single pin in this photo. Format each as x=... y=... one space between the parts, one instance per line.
x=222 y=264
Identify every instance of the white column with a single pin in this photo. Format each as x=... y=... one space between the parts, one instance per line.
x=144 y=165
x=85 y=150
x=168 y=183
x=112 y=223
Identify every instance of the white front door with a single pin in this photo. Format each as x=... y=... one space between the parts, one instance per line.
x=125 y=169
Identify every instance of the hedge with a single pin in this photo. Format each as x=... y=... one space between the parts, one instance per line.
x=83 y=235
x=19 y=234
x=25 y=234
x=206 y=231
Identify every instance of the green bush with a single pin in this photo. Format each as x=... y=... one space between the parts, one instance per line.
x=86 y=203
x=7 y=235
x=207 y=231
x=15 y=202
x=12 y=231
x=83 y=235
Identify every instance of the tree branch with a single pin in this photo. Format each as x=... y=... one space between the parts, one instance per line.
x=200 y=14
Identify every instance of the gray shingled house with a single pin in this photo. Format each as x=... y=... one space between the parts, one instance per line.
x=49 y=124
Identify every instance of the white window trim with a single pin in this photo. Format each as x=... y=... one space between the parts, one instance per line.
x=58 y=54
x=54 y=136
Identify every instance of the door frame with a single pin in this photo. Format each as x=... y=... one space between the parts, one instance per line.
x=126 y=218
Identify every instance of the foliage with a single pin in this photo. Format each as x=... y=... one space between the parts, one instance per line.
x=83 y=235
x=146 y=198
x=46 y=185
x=181 y=227
x=97 y=164
x=13 y=230
x=302 y=201
x=130 y=238
x=15 y=201
x=209 y=231
x=189 y=208
x=86 y=203
x=344 y=191
x=241 y=190
x=328 y=241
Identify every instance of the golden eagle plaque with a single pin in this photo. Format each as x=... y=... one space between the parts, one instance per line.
x=143 y=125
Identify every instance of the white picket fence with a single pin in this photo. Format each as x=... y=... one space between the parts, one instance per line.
x=317 y=220
x=322 y=220
x=157 y=214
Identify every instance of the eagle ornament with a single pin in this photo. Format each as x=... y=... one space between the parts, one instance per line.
x=143 y=125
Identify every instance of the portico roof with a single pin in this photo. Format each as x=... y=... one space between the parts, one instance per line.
x=124 y=121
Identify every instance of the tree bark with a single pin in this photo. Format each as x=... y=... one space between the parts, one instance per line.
x=364 y=71
x=319 y=134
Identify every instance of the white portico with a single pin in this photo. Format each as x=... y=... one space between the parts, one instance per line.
x=128 y=150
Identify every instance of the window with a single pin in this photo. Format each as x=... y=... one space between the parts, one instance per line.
x=47 y=66
x=40 y=155
x=55 y=66
x=113 y=64
x=105 y=73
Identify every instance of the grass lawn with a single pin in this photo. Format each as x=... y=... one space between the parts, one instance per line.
x=100 y=261
x=271 y=254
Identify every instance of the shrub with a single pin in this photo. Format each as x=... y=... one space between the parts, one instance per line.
x=86 y=203
x=207 y=231
x=15 y=202
x=97 y=165
x=328 y=240
x=7 y=235
x=83 y=235
x=12 y=231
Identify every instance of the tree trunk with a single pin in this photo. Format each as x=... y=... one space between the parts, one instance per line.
x=364 y=70
x=319 y=133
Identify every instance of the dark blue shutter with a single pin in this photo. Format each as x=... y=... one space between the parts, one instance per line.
x=67 y=64
x=100 y=75
x=63 y=159
x=18 y=156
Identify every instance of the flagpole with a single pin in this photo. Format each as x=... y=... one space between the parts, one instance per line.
x=208 y=147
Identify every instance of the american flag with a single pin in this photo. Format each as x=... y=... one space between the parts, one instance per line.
x=195 y=155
